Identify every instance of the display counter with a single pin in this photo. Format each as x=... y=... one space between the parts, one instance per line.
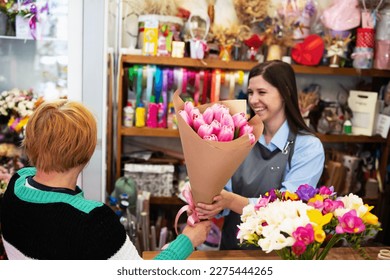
x=338 y=253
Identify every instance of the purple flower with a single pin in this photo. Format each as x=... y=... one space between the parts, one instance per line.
x=305 y=192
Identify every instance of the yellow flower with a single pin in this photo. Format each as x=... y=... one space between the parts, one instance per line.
x=291 y=196
x=318 y=219
x=315 y=198
x=319 y=235
x=370 y=218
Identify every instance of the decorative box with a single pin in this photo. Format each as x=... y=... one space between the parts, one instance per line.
x=154 y=178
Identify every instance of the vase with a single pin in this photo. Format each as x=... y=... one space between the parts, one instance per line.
x=7 y=26
x=275 y=52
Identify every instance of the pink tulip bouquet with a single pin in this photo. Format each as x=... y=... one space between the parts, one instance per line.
x=308 y=223
x=216 y=138
x=216 y=123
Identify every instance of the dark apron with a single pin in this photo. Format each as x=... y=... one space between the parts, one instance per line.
x=260 y=172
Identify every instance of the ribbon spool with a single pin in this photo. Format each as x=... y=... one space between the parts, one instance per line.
x=365 y=38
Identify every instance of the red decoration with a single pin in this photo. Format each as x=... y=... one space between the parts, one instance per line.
x=309 y=52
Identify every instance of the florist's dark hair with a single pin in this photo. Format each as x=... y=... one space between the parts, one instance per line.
x=281 y=75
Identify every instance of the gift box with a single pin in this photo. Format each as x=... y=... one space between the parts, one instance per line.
x=154 y=178
x=365 y=107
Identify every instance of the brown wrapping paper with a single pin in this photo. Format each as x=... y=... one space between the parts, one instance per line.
x=211 y=164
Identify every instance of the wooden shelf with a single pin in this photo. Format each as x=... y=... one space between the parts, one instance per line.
x=149 y=132
x=247 y=65
x=337 y=138
x=325 y=138
x=162 y=200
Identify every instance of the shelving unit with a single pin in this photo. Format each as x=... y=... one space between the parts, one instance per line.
x=128 y=60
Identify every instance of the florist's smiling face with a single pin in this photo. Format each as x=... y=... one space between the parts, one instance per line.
x=265 y=100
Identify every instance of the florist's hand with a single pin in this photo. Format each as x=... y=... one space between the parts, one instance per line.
x=220 y=202
x=198 y=232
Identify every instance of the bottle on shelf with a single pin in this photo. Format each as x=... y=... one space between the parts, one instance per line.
x=140 y=115
x=128 y=115
x=171 y=119
x=347 y=127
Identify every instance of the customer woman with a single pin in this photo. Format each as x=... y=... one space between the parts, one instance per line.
x=44 y=214
x=287 y=155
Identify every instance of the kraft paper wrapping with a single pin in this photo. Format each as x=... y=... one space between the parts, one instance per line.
x=210 y=164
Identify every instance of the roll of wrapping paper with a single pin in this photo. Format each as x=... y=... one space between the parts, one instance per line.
x=145 y=231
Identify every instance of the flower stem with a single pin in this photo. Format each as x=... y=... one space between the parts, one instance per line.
x=335 y=238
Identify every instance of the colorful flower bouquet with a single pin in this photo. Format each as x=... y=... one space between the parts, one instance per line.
x=308 y=223
x=16 y=106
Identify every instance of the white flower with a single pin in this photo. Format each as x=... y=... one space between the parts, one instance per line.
x=351 y=202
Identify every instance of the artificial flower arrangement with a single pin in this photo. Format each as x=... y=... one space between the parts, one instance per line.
x=250 y=11
x=227 y=36
x=16 y=106
x=308 y=223
x=9 y=8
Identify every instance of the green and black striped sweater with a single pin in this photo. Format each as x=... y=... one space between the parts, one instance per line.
x=39 y=222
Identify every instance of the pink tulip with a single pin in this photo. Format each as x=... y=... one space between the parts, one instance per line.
x=239 y=120
x=197 y=121
x=226 y=119
x=226 y=133
x=216 y=125
x=208 y=115
x=194 y=113
x=252 y=138
x=246 y=129
x=185 y=117
x=219 y=110
x=205 y=130
x=188 y=106
x=211 y=137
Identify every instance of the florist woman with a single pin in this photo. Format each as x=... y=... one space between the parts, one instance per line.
x=287 y=155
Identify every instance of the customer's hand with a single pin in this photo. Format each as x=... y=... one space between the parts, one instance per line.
x=197 y=233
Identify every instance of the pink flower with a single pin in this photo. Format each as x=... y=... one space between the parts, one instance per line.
x=226 y=133
x=325 y=191
x=205 y=130
x=208 y=115
x=252 y=138
x=216 y=125
x=211 y=137
x=350 y=223
x=239 y=120
x=298 y=248
x=262 y=202
x=219 y=110
x=198 y=121
x=226 y=119
x=245 y=129
x=188 y=106
x=186 y=117
x=331 y=205
x=194 y=113
x=304 y=234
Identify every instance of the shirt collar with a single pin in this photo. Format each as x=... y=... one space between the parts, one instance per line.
x=280 y=138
